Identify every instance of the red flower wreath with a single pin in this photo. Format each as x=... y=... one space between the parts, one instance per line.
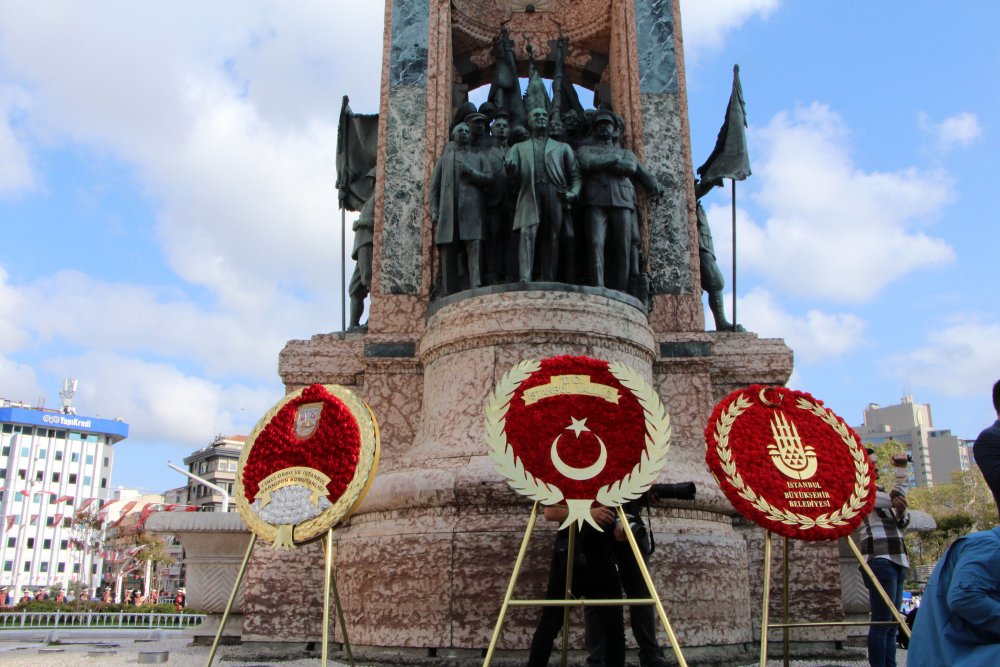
x=576 y=429
x=333 y=448
x=788 y=464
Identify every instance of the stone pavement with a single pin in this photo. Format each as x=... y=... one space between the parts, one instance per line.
x=33 y=649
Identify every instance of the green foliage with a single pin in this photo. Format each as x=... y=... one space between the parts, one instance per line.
x=86 y=605
x=961 y=507
x=884 y=468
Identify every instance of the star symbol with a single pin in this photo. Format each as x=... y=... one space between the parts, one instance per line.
x=578 y=425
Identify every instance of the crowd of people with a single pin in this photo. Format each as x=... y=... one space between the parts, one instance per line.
x=129 y=596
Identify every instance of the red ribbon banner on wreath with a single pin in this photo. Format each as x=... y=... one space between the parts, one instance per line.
x=789 y=464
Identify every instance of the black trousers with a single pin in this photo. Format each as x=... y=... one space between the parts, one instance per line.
x=642 y=617
x=599 y=580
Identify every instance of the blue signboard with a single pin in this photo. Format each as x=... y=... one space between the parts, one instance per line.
x=47 y=419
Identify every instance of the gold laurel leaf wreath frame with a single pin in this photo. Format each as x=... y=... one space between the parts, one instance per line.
x=628 y=488
x=838 y=517
x=350 y=499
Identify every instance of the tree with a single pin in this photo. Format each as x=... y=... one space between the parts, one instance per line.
x=963 y=506
x=87 y=537
x=884 y=468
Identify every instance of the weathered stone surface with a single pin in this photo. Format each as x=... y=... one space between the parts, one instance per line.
x=399 y=241
x=284 y=594
x=656 y=49
x=409 y=42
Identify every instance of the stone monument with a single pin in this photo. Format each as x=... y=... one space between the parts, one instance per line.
x=423 y=565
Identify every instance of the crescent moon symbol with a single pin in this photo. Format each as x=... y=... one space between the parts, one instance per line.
x=579 y=474
x=764 y=399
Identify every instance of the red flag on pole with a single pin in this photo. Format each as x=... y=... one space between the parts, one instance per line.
x=10 y=521
x=64 y=499
x=85 y=503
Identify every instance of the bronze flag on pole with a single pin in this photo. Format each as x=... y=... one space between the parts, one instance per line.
x=730 y=158
x=357 y=139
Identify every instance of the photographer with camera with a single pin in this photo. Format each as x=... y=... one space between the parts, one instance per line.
x=881 y=541
x=642 y=617
x=595 y=576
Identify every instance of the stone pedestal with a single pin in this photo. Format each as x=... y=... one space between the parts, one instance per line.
x=214 y=546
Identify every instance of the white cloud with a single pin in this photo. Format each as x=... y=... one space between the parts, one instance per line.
x=706 y=22
x=956 y=131
x=70 y=307
x=833 y=230
x=161 y=403
x=16 y=172
x=961 y=359
x=18 y=382
x=814 y=336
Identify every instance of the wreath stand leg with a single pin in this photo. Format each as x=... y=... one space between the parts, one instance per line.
x=510 y=586
x=331 y=583
x=878 y=587
x=641 y=562
x=232 y=599
x=570 y=557
x=785 y=625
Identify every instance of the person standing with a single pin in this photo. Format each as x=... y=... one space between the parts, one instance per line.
x=959 y=619
x=881 y=536
x=986 y=450
x=595 y=576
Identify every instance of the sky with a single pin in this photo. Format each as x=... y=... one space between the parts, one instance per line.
x=168 y=216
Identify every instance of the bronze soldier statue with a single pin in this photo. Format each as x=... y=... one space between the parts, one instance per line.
x=457 y=207
x=711 y=277
x=609 y=201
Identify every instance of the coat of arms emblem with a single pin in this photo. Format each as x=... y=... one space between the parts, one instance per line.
x=307 y=419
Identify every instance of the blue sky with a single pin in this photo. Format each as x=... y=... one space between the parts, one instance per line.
x=168 y=218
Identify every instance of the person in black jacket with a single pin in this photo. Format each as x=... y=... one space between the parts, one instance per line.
x=986 y=450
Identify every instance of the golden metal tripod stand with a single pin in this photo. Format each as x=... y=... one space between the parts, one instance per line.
x=568 y=601
x=329 y=585
x=765 y=625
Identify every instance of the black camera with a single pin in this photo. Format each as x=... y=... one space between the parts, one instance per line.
x=678 y=491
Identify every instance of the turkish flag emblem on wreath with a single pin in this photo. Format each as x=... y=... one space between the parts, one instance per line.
x=577 y=430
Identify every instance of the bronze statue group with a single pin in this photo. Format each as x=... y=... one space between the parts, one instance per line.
x=558 y=205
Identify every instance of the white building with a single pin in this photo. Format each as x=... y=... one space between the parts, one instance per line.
x=52 y=463
x=936 y=452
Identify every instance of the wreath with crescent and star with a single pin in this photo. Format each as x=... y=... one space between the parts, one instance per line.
x=577 y=430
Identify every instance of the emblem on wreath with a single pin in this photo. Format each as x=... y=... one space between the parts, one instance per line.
x=577 y=430
x=307 y=464
x=826 y=485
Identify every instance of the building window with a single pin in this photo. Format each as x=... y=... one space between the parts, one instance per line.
x=72 y=478
x=74 y=457
x=22 y=474
x=6 y=448
x=31 y=543
x=66 y=522
x=58 y=455
x=105 y=461
x=49 y=521
x=39 y=475
x=47 y=543
x=64 y=544
x=90 y=459
x=87 y=479
x=25 y=451
x=28 y=430
x=36 y=498
x=11 y=542
x=27 y=566
x=42 y=453
x=61 y=567
x=43 y=566
x=76 y=568
x=8 y=565
x=61 y=435
x=104 y=482
x=55 y=478
x=7 y=428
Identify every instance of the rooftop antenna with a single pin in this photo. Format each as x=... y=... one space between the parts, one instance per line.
x=67 y=393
